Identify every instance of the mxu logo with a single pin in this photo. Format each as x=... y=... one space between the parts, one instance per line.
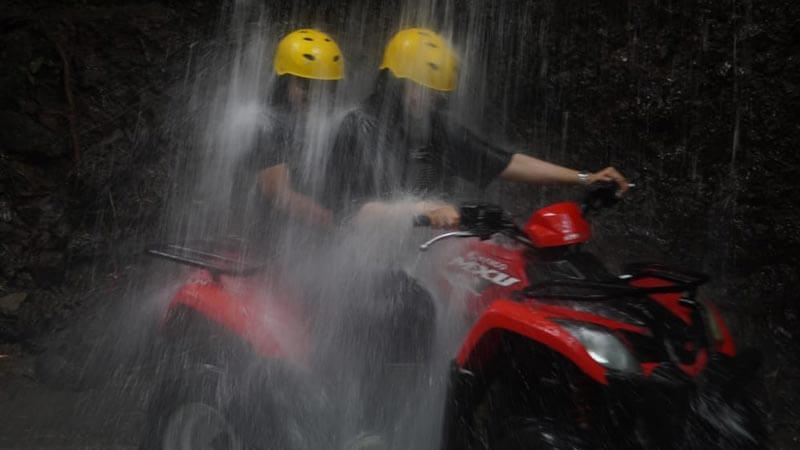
x=487 y=273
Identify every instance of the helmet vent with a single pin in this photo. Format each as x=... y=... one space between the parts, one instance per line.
x=309 y=57
x=431 y=44
x=308 y=39
x=433 y=65
x=336 y=58
x=327 y=40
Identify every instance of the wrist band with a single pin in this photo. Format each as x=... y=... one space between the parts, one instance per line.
x=583 y=177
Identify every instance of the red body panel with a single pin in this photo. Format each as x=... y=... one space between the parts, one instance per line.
x=249 y=309
x=488 y=302
x=489 y=270
x=581 y=316
x=529 y=319
x=700 y=362
x=670 y=301
x=526 y=320
x=557 y=225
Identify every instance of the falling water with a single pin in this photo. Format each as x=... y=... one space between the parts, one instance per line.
x=333 y=276
x=337 y=277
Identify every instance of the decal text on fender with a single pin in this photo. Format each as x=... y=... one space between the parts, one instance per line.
x=487 y=273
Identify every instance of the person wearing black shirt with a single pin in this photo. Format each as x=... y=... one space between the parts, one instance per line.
x=308 y=63
x=402 y=141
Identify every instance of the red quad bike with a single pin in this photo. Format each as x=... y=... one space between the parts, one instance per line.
x=563 y=354
x=233 y=356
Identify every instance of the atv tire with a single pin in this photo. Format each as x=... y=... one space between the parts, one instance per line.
x=197 y=402
x=268 y=407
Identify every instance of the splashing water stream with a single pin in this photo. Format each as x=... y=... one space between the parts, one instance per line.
x=231 y=104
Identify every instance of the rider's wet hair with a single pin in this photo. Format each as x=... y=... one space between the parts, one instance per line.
x=279 y=97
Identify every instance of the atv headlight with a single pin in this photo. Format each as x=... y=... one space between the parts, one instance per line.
x=602 y=346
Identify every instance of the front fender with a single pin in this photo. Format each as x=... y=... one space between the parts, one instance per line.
x=533 y=324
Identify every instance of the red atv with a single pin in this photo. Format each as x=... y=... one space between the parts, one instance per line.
x=233 y=351
x=563 y=354
x=560 y=354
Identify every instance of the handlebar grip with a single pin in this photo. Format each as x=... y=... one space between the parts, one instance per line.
x=421 y=220
x=601 y=195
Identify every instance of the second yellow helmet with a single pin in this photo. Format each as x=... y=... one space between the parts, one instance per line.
x=309 y=54
x=422 y=56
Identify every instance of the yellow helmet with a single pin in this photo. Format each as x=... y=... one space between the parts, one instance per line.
x=309 y=54
x=423 y=56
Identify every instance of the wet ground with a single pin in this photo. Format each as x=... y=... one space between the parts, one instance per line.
x=37 y=416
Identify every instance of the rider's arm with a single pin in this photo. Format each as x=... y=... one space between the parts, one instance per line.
x=275 y=184
x=527 y=169
x=398 y=209
x=442 y=215
x=477 y=159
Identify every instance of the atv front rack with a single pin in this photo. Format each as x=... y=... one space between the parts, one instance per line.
x=571 y=289
x=223 y=261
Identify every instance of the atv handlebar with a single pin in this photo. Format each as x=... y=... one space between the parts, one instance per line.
x=601 y=195
x=482 y=220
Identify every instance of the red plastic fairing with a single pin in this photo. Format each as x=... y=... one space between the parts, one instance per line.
x=263 y=320
x=694 y=369
x=490 y=270
x=649 y=367
x=726 y=346
x=671 y=300
x=699 y=364
x=580 y=316
x=524 y=320
x=558 y=224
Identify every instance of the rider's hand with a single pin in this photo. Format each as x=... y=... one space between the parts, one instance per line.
x=445 y=216
x=321 y=217
x=610 y=174
x=313 y=214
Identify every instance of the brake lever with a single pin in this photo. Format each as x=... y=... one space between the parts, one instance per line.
x=435 y=239
x=477 y=220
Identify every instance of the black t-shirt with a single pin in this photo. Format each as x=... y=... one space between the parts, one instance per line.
x=274 y=143
x=372 y=160
x=282 y=139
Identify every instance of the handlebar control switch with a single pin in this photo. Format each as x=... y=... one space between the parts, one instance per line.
x=485 y=219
